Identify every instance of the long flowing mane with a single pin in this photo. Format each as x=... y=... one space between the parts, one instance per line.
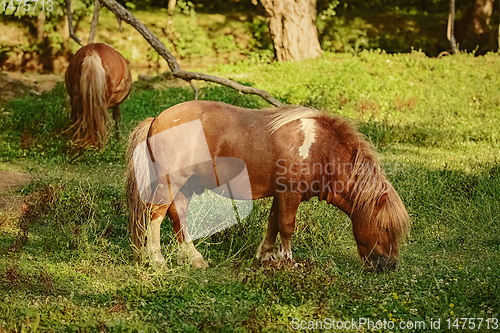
x=369 y=182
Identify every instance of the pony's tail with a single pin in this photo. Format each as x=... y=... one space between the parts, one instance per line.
x=92 y=127
x=138 y=211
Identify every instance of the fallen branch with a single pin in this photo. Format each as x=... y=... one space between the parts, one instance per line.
x=194 y=89
x=177 y=72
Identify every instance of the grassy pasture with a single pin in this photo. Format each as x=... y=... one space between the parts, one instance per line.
x=435 y=123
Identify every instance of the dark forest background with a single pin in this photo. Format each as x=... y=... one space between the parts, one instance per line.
x=241 y=31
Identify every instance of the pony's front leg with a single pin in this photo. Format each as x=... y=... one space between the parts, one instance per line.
x=178 y=211
x=265 y=251
x=153 y=246
x=287 y=210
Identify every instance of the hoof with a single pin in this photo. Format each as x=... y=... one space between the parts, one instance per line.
x=159 y=266
x=181 y=259
x=268 y=256
x=199 y=263
x=268 y=259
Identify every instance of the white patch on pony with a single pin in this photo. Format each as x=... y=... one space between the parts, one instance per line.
x=308 y=128
x=176 y=120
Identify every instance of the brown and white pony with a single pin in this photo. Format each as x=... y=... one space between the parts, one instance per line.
x=97 y=78
x=290 y=153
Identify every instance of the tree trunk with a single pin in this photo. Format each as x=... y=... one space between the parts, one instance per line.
x=451 y=28
x=171 y=12
x=40 y=25
x=475 y=25
x=314 y=9
x=294 y=34
x=171 y=7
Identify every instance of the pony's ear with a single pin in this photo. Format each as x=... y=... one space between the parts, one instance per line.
x=381 y=200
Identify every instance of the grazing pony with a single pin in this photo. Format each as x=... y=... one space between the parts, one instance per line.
x=97 y=78
x=291 y=153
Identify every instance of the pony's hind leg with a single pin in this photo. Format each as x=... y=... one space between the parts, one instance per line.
x=116 y=118
x=153 y=246
x=178 y=211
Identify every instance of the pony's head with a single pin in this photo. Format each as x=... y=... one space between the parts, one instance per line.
x=378 y=215
x=379 y=228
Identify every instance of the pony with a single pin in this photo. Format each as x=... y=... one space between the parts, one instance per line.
x=97 y=78
x=291 y=153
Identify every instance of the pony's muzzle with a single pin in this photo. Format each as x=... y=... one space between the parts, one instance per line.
x=379 y=264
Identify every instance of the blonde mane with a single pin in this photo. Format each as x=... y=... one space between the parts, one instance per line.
x=288 y=114
x=370 y=184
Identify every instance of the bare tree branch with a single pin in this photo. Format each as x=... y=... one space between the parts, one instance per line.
x=69 y=13
x=451 y=26
x=126 y=16
x=95 y=20
x=119 y=20
x=194 y=89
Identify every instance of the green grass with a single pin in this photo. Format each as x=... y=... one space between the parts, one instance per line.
x=435 y=118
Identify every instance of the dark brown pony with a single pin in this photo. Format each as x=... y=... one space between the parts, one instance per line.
x=290 y=153
x=97 y=78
